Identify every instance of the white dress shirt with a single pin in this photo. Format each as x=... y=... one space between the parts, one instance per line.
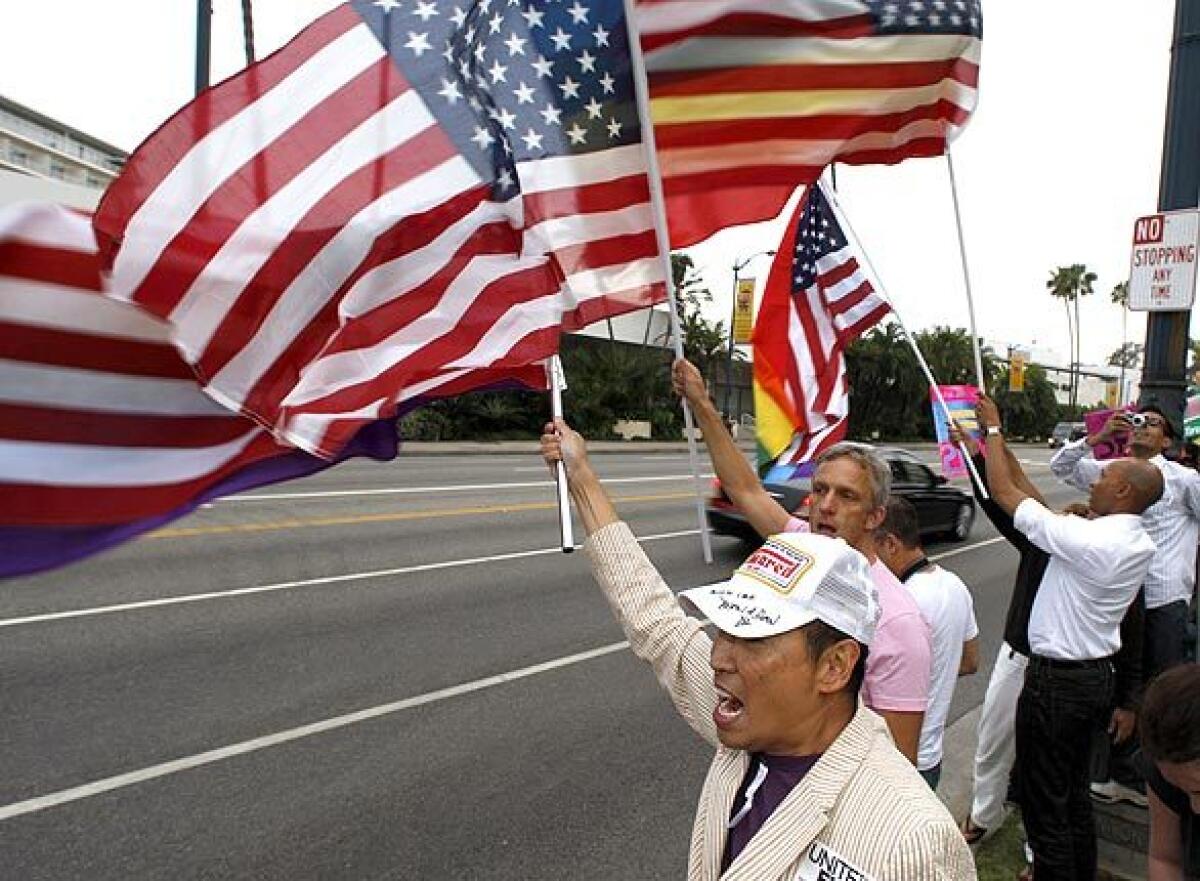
x=1173 y=521
x=1095 y=570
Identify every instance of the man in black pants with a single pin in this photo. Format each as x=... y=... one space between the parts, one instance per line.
x=995 y=751
x=1095 y=569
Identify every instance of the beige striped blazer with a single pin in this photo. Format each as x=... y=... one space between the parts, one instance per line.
x=861 y=812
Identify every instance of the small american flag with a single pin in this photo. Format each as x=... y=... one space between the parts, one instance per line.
x=104 y=432
x=818 y=299
x=752 y=97
x=412 y=199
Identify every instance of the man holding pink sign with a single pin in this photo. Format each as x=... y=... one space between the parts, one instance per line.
x=1173 y=522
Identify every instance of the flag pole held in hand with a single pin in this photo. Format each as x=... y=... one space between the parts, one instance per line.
x=557 y=381
x=659 y=207
x=912 y=342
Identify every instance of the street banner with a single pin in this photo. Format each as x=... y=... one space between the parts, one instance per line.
x=1115 y=447
x=1017 y=362
x=743 y=311
x=960 y=401
x=1112 y=395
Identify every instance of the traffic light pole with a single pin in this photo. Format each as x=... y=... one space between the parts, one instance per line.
x=1163 y=381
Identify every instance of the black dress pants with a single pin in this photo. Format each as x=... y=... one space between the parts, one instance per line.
x=1059 y=710
x=1166 y=638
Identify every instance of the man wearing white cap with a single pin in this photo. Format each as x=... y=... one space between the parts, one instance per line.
x=806 y=782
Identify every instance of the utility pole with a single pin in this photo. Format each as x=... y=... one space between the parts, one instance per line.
x=1163 y=381
x=248 y=30
x=738 y=266
x=203 y=43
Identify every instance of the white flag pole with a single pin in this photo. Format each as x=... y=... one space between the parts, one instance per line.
x=962 y=250
x=912 y=342
x=658 y=206
x=557 y=381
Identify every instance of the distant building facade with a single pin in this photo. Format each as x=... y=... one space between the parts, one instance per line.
x=1098 y=383
x=35 y=145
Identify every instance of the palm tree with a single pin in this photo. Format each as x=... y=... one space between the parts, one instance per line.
x=1069 y=283
x=1120 y=297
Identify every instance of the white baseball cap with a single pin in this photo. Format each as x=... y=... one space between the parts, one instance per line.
x=792 y=580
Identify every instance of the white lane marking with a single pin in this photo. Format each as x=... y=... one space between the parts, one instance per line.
x=963 y=550
x=131 y=778
x=119 y=781
x=308 y=582
x=465 y=487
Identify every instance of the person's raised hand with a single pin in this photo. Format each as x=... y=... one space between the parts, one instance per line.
x=561 y=443
x=1117 y=423
x=959 y=435
x=687 y=381
x=987 y=412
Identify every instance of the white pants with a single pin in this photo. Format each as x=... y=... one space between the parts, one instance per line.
x=997 y=747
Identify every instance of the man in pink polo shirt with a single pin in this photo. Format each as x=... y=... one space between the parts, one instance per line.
x=849 y=493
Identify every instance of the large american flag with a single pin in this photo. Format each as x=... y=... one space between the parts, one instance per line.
x=104 y=431
x=818 y=299
x=411 y=199
x=752 y=97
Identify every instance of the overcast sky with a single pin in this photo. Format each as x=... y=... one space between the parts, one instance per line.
x=1061 y=157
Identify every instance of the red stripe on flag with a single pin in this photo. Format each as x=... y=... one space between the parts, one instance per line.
x=99 y=429
x=768 y=78
x=612 y=304
x=607 y=252
x=590 y=199
x=80 y=351
x=39 y=263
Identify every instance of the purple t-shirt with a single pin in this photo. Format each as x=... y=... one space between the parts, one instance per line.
x=768 y=781
x=899 y=659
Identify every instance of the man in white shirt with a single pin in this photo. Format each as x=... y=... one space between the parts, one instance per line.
x=1095 y=570
x=948 y=610
x=1173 y=523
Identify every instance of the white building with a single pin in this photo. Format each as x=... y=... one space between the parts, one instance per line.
x=1098 y=383
x=40 y=147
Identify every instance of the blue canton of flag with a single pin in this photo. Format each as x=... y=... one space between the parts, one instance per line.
x=928 y=16
x=515 y=80
x=817 y=236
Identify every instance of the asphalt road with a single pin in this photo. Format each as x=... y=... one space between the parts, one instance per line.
x=385 y=671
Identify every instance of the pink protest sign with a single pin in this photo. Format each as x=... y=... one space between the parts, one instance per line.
x=1115 y=447
x=960 y=401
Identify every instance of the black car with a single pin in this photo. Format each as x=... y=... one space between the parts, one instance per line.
x=944 y=511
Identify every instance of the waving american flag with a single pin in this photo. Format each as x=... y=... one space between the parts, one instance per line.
x=411 y=199
x=752 y=97
x=819 y=298
x=104 y=432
